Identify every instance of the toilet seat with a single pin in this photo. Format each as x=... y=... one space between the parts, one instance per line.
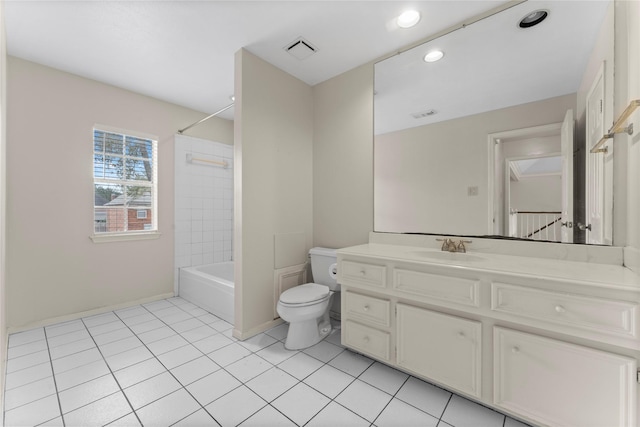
x=307 y=294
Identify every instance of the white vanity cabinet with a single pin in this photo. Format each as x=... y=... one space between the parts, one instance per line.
x=553 y=351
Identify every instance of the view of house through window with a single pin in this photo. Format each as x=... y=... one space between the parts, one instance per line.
x=124 y=177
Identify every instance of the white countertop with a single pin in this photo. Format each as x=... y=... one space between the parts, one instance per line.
x=608 y=275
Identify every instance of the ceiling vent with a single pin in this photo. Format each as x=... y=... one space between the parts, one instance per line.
x=300 y=48
x=424 y=114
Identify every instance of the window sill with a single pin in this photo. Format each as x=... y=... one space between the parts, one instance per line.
x=108 y=237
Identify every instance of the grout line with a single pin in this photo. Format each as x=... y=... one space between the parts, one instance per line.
x=53 y=375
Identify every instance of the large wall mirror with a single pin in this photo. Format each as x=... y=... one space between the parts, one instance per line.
x=494 y=138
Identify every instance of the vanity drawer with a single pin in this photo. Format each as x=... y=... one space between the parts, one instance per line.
x=593 y=314
x=367 y=340
x=368 y=274
x=435 y=286
x=367 y=309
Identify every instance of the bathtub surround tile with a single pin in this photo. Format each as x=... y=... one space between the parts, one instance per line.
x=171 y=380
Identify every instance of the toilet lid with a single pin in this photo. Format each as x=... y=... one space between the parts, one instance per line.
x=306 y=293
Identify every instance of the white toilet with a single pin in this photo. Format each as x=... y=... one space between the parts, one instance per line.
x=306 y=307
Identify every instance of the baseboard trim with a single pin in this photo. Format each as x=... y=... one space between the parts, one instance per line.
x=75 y=316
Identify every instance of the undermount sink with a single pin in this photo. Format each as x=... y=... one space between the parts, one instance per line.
x=447 y=256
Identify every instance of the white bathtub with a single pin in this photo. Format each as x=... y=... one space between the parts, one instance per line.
x=210 y=287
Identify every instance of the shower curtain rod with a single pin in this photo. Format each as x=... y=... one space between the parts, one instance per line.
x=206 y=118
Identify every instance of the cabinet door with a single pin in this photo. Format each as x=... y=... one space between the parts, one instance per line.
x=561 y=384
x=440 y=347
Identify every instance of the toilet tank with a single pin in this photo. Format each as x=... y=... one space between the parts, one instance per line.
x=323 y=267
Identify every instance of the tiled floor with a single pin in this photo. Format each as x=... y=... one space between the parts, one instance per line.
x=172 y=363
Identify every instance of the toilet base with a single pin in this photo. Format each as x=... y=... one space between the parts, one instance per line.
x=306 y=333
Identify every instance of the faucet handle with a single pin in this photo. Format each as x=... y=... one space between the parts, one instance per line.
x=461 y=247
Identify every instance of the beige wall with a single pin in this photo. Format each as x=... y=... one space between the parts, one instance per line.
x=343 y=159
x=53 y=268
x=273 y=181
x=3 y=209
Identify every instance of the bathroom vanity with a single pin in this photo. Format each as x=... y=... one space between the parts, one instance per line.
x=549 y=341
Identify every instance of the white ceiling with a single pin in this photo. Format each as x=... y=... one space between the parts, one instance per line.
x=183 y=51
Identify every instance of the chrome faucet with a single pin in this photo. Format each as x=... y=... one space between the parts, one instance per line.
x=450 y=245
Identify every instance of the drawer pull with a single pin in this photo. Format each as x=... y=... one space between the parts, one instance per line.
x=515 y=349
x=461 y=334
x=366 y=307
x=363 y=273
x=560 y=309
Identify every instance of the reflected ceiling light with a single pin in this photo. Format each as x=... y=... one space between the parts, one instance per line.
x=232 y=98
x=408 y=19
x=533 y=18
x=433 y=56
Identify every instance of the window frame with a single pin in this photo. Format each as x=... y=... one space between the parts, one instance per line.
x=147 y=232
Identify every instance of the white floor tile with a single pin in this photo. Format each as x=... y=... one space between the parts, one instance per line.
x=257 y=342
x=113 y=336
x=397 y=413
x=229 y=354
x=167 y=344
x=198 y=333
x=248 y=367
x=208 y=318
x=272 y=383
x=139 y=372
x=337 y=415
x=128 y=358
x=99 y=413
x=197 y=419
x=129 y=312
x=127 y=421
x=27 y=361
x=56 y=422
x=75 y=360
x=68 y=338
x=88 y=392
x=384 y=377
x=119 y=346
x=212 y=343
x=157 y=305
x=268 y=417
x=156 y=334
x=335 y=337
x=329 y=381
x=33 y=413
x=81 y=374
x=221 y=325
x=64 y=328
x=279 y=332
x=25 y=349
x=28 y=375
x=106 y=327
x=29 y=393
x=168 y=410
x=363 y=399
x=301 y=403
x=187 y=325
x=194 y=370
x=147 y=326
x=179 y=356
x=351 y=363
x=461 y=412
x=324 y=351
x=300 y=365
x=141 y=317
x=176 y=318
x=71 y=348
x=166 y=312
x=100 y=319
x=26 y=337
x=212 y=387
x=151 y=389
x=276 y=353
x=424 y=396
x=236 y=406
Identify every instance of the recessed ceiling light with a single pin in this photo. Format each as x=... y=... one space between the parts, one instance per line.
x=533 y=18
x=433 y=56
x=408 y=18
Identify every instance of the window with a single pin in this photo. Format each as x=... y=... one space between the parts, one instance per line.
x=125 y=183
